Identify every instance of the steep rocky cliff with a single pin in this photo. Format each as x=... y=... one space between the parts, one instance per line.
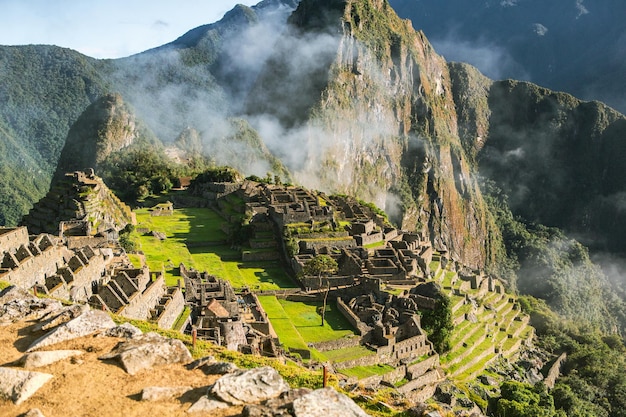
x=559 y=159
x=376 y=118
x=106 y=126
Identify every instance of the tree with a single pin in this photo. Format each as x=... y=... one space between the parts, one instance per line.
x=321 y=264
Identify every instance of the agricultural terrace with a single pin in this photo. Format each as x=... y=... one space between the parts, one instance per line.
x=194 y=236
x=498 y=327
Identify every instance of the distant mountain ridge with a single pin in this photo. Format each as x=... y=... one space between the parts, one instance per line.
x=566 y=45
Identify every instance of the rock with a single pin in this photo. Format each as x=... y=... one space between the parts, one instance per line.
x=287 y=398
x=17 y=304
x=417 y=410
x=446 y=393
x=34 y=412
x=252 y=410
x=148 y=350
x=219 y=368
x=488 y=380
x=328 y=403
x=465 y=402
x=18 y=386
x=56 y=318
x=251 y=386
x=207 y=404
x=200 y=362
x=163 y=393
x=38 y=359
x=92 y=321
x=124 y=330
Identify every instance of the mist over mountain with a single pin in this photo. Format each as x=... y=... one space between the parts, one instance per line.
x=578 y=46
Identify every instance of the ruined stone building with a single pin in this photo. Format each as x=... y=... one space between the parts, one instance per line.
x=137 y=293
x=43 y=262
x=79 y=204
x=236 y=321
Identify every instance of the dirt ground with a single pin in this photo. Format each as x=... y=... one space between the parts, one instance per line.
x=92 y=387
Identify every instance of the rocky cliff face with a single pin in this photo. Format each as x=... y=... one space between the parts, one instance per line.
x=377 y=119
x=106 y=126
x=556 y=157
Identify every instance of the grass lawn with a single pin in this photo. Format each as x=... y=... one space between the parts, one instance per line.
x=195 y=238
x=346 y=354
x=307 y=320
x=284 y=328
x=361 y=372
x=297 y=324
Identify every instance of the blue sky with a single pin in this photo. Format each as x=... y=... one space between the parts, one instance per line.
x=106 y=28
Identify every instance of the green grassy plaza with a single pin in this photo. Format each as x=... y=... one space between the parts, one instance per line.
x=194 y=236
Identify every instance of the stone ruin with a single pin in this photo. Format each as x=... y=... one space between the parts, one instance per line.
x=79 y=204
x=236 y=321
x=137 y=293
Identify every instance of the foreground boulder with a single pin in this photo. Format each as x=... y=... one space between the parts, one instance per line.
x=251 y=386
x=328 y=403
x=93 y=321
x=148 y=350
x=38 y=359
x=18 y=386
x=17 y=304
x=163 y=393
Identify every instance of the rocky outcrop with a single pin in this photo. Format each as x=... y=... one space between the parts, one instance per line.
x=18 y=386
x=17 y=304
x=106 y=126
x=39 y=359
x=259 y=392
x=326 y=402
x=147 y=351
x=252 y=386
x=88 y=323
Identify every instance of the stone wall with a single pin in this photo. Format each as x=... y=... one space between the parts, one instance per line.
x=260 y=256
x=354 y=320
x=412 y=347
x=173 y=308
x=415 y=370
x=33 y=270
x=396 y=375
x=332 y=282
x=12 y=238
x=555 y=371
x=430 y=377
x=141 y=303
x=344 y=342
x=363 y=361
x=310 y=245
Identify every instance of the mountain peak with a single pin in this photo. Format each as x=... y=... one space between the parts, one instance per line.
x=106 y=126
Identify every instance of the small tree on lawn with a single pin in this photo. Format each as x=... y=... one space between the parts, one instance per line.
x=321 y=264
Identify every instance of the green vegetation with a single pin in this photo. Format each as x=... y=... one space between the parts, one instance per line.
x=44 y=90
x=438 y=324
x=361 y=372
x=4 y=284
x=319 y=265
x=521 y=400
x=305 y=316
x=298 y=324
x=593 y=380
x=542 y=262
x=140 y=171
x=194 y=236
